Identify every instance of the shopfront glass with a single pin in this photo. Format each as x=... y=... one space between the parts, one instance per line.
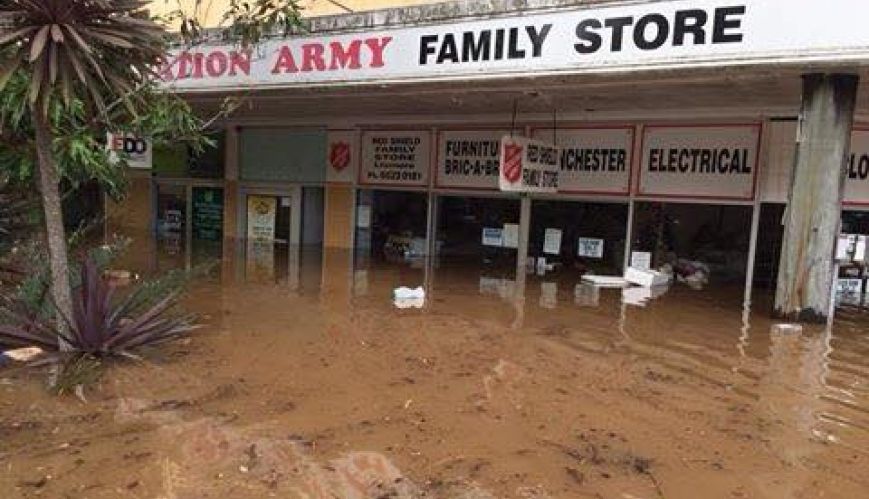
x=573 y=238
x=478 y=233
x=704 y=244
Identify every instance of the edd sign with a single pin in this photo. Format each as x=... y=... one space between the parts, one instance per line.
x=136 y=150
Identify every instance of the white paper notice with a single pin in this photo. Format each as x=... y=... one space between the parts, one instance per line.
x=363 y=216
x=493 y=236
x=844 y=247
x=552 y=241
x=590 y=248
x=641 y=260
x=511 y=235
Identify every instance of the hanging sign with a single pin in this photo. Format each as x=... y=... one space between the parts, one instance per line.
x=341 y=156
x=584 y=39
x=395 y=157
x=593 y=160
x=136 y=150
x=261 y=214
x=468 y=159
x=528 y=165
x=857 y=169
x=717 y=161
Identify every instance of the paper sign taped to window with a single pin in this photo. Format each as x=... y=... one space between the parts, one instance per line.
x=363 y=216
x=641 y=260
x=511 y=235
x=590 y=248
x=552 y=241
x=493 y=236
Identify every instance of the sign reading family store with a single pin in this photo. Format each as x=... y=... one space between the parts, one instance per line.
x=715 y=161
x=395 y=157
x=579 y=39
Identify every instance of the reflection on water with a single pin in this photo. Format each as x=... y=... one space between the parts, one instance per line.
x=813 y=381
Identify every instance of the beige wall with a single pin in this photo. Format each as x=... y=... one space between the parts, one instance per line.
x=209 y=12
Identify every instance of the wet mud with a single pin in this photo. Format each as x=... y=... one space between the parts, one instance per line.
x=311 y=384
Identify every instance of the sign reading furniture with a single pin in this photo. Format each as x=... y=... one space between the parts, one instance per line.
x=617 y=37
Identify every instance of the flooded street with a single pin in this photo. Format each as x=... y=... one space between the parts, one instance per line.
x=310 y=383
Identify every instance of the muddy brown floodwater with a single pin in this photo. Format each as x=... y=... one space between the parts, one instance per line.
x=307 y=382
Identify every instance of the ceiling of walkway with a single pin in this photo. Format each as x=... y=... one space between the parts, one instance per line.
x=771 y=92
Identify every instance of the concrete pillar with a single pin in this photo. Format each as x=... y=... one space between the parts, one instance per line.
x=231 y=163
x=812 y=220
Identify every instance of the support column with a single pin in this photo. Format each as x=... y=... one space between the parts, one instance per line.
x=806 y=271
x=231 y=160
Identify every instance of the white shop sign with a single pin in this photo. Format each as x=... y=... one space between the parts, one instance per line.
x=136 y=150
x=714 y=161
x=857 y=169
x=395 y=157
x=341 y=156
x=528 y=165
x=593 y=160
x=656 y=35
x=468 y=159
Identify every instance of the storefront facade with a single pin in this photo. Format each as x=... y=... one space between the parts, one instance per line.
x=380 y=133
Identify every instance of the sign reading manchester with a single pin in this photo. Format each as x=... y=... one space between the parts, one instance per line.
x=718 y=161
x=468 y=159
x=528 y=165
x=579 y=40
x=395 y=157
x=593 y=160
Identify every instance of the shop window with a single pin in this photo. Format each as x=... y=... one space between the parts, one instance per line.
x=770 y=233
x=171 y=223
x=579 y=237
x=180 y=161
x=713 y=239
x=391 y=225
x=477 y=230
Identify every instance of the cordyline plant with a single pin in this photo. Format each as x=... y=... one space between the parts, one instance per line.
x=101 y=325
x=70 y=70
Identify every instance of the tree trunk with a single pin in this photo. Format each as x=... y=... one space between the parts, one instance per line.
x=61 y=291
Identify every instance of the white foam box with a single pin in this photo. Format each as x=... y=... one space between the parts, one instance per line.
x=646 y=278
x=605 y=281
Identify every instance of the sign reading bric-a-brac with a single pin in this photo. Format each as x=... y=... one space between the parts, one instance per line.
x=593 y=160
x=395 y=157
x=341 y=156
x=135 y=150
x=468 y=159
x=579 y=40
x=528 y=165
x=714 y=161
x=857 y=169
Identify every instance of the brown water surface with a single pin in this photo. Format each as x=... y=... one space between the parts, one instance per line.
x=308 y=382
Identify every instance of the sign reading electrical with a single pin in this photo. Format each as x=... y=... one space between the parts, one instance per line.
x=638 y=36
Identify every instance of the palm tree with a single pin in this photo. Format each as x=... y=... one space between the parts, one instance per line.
x=97 y=52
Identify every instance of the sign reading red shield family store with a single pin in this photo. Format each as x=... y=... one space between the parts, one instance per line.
x=528 y=165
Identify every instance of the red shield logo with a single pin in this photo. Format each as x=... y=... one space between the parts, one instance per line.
x=339 y=155
x=512 y=166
